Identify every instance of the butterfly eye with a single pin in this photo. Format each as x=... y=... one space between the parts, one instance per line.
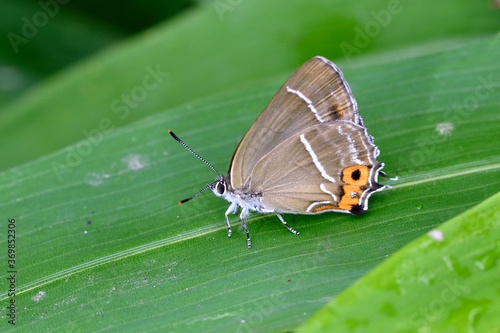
x=221 y=188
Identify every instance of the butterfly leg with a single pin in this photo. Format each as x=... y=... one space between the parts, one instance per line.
x=231 y=209
x=286 y=224
x=244 y=211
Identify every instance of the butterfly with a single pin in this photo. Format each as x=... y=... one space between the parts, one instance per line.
x=308 y=152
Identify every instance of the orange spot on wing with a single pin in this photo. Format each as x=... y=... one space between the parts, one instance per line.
x=354 y=178
x=347 y=201
x=356 y=175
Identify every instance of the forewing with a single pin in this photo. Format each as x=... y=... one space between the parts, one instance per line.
x=326 y=167
x=315 y=93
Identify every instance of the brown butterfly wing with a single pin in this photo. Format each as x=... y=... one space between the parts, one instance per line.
x=330 y=166
x=314 y=94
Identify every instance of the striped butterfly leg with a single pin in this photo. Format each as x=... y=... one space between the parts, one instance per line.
x=244 y=212
x=286 y=224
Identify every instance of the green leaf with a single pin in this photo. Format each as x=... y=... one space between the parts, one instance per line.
x=216 y=48
x=101 y=242
x=446 y=281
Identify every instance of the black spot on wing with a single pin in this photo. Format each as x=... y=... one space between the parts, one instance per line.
x=357 y=209
x=356 y=174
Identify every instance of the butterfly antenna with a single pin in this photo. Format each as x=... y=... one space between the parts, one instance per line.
x=194 y=196
x=192 y=152
x=201 y=158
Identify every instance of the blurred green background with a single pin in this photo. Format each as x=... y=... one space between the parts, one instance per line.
x=72 y=32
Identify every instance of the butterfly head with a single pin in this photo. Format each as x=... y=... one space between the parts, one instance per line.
x=219 y=186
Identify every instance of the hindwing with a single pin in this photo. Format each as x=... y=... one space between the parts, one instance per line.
x=326 y=167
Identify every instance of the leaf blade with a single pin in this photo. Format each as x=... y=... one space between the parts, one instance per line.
x=174 y=264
